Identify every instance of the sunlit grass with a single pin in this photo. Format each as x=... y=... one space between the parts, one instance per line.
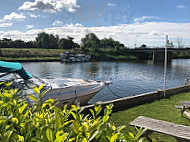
x=163 y=110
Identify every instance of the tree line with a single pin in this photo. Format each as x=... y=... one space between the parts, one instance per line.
x=50 y=41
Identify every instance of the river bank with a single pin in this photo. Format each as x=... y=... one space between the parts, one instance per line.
x=38 y=54
x=49 y=55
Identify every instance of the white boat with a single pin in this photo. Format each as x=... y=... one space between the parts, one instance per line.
x=73 y=57
x=64 y=90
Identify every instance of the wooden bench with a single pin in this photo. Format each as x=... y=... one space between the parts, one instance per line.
x=185 y=105
x=180 y=132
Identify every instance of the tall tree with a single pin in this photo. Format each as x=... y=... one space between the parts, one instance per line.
x=91 y=41
x=66 y=43
x=6 y=42
x=18 y=44
x=53 y=41
x=180 y=43
x=110 y=43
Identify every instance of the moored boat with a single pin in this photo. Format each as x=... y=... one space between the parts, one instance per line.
x=64 y=90
x=73 y=57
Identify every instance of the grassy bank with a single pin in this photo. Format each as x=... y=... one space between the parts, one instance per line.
x=163 y=110
x=110 y=57
x=181 y=55
x=26 y=52
x=38 y=54
x=30 y=54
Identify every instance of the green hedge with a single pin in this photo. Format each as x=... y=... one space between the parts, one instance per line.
x=44 y=122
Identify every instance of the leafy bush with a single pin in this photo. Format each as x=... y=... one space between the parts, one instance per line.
x=44 y=122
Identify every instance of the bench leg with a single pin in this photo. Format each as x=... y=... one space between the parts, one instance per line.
x=182 y=110
x=146 y=135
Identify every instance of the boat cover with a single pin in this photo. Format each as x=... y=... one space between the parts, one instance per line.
x=9 y=67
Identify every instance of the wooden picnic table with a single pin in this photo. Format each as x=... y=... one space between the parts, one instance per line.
x=185 y=105
x=180 y=132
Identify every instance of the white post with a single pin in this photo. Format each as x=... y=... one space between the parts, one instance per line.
x=165 y=66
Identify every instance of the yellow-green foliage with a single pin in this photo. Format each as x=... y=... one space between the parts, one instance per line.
x=44 y=122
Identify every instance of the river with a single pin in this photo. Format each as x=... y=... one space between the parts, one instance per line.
x=128 y=78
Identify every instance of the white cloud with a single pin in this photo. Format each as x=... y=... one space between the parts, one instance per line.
x=73 y=25
x=150 y=33
x=9 y=34
x=29 y=26
x=181 y=7
x=14 y=15
x=33 y=15
x=112 y=5
x=78 y=25
x=57 y=23
x=52 y=6
x=141 y=19
x=5 y=24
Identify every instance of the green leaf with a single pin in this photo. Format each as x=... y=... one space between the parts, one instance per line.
x=49 y=134
x=38 y=139
x=85 y=125
x=131 y=135
x=21 y=109
x=21 y=138
x=49 y=101
x=8 y=84
x=15 y=120
x=37 y=90
x=43 y=93
x=73 y=107
x=105 y=118
x=7 y=136
x=114 y=137
x=92 y=112
x=84 y=140
x=7 y=95
x=94 y=135
x=121 y=128
x=1 y=102
x=41 y=86
x=33 y=98
x=74 y=115
x=153 y=140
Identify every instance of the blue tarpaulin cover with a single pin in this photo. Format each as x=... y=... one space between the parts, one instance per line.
x=9 y=67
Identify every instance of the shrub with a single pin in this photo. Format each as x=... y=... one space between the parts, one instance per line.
x=44 y=122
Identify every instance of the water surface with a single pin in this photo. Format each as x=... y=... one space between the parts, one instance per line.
x=128 y=78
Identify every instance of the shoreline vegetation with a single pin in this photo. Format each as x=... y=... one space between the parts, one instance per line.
x=36 y=54
x=47 y=47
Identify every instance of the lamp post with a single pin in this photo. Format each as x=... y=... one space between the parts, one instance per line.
x=165 y=66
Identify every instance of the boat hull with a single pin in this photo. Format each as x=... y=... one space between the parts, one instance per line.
x=73 y=95
x=82 y=100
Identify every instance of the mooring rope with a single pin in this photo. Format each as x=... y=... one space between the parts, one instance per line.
x=113 y=92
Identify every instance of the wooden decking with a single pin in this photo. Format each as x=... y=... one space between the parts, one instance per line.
x=178 y=131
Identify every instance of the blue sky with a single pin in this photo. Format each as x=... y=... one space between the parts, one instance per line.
x=147 y=20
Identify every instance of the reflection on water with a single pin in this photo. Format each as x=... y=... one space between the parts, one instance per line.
x=92 y=69
x=128 y=78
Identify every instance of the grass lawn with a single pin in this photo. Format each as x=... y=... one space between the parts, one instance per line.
x=163 y=110
x=29 y=58
x=18 y=54
x=35 y=49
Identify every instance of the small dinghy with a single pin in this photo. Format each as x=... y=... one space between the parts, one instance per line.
x=64 y=90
